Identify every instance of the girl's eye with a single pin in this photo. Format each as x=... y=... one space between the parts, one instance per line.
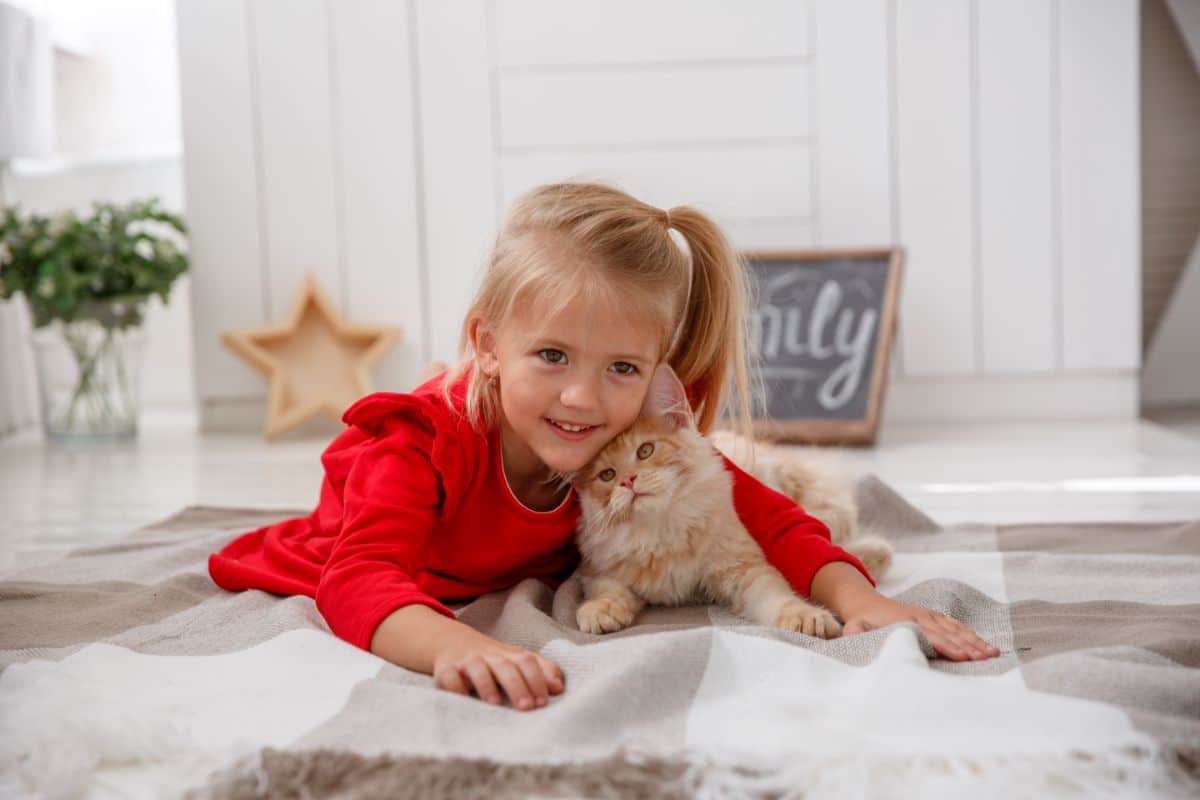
x=607 y=474
x=625 y=368
x=645 y=450
x=552 y=356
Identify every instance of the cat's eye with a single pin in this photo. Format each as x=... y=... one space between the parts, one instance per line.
x=607 y=475
x=645 y=450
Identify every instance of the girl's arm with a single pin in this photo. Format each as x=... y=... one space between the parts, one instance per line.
x=794 y=542
x=367 y=591
x=798 y=545
x=841 y=587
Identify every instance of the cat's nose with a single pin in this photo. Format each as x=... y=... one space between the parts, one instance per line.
x=627 y=480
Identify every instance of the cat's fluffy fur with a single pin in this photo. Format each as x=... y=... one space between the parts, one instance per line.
x=670 y=535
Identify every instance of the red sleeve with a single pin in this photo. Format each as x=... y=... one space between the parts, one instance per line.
x=794 y=542
x=391 y=498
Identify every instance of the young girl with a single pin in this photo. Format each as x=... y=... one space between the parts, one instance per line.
x=452 y=491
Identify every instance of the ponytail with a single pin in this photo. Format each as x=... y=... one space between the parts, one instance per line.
x=711 y=350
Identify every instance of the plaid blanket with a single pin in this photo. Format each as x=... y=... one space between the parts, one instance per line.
x=127 y=672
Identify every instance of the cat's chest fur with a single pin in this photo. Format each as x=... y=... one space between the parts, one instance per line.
x=664 y=556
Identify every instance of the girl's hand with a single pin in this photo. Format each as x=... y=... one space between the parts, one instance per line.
x=949 y=637
x=484 y=666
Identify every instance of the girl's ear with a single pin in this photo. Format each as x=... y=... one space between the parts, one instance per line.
x=483 y=342
x=666 y=398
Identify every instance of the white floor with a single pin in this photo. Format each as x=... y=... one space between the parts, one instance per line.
x=54 y=498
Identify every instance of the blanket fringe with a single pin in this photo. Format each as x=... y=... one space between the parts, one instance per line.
x=634 y=773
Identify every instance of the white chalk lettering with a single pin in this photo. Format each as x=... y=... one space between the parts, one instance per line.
x=775 y=328
x=842 y=383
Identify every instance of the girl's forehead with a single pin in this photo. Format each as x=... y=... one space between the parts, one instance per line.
x=588 y=324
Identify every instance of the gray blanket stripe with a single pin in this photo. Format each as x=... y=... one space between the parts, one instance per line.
x=1042 y=629
x=1171 y=538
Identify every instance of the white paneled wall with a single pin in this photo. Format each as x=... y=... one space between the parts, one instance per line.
x=934 y=166
x=458 y=117
x=1016 y=209
x=1098 y=171
x=223 y=181
x=377 y=145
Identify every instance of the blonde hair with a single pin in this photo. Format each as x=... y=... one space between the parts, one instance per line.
x=565 y=240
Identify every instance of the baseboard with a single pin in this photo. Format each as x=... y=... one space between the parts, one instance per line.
x=249 y=415
x=997 y=399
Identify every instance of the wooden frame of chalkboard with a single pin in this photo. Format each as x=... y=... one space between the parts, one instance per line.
x=808 y=400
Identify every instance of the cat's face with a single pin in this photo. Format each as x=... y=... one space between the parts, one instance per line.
x=637 y=472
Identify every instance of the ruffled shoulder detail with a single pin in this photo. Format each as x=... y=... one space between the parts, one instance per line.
x=423 y=415
x=375 y=413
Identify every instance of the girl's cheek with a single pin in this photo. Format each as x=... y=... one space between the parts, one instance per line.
x=607 y=441
x=635 y=407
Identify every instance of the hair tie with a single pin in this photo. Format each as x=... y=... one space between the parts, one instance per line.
x=667 y=216
x=682 y=243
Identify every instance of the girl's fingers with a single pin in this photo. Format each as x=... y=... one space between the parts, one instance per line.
x=513 y=682
x=531 y=670
x=965 y=642
x=451 y=680
x=481 y=678
x=522 y=676
x=945 y=646
x=553 y=674
x=956 y=640
x=976 y=643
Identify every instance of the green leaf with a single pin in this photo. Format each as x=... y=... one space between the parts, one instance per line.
x=63 y=263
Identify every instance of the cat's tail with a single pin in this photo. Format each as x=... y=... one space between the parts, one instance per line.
x=874 y=552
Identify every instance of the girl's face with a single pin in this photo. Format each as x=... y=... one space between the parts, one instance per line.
x=568 y=385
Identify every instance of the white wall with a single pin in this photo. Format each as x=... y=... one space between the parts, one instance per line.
x=116 y=79
x=376 y=144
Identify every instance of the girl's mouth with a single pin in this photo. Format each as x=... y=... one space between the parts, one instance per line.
x=570 y=432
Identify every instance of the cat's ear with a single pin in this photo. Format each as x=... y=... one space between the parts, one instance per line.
x=666 y=398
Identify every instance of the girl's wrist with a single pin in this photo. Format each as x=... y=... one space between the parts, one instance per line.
x=841 y=588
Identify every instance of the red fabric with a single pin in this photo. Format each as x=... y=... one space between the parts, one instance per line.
x=414 y=508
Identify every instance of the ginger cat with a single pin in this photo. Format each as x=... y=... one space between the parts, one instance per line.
x=659 y=526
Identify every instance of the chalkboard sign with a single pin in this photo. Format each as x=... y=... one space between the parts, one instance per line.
x=822 y=328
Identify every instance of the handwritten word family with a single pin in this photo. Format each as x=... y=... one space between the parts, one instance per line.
x=826 y=332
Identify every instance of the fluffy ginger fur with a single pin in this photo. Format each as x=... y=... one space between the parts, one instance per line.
x=659 y=526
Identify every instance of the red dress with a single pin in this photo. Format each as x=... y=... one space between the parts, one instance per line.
x=415 y=508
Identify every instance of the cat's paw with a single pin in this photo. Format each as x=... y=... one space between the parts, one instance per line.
x=801 y=617
x=604 y=615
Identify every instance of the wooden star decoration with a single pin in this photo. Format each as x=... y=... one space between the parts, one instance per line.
x=316 y=362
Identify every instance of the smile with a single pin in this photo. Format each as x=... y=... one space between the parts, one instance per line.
x=569 y=430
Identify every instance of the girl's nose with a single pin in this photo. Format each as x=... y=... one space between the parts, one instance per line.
x=627 y=480
x=579 y=394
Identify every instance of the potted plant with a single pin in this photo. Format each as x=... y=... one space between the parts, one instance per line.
x=87 y=280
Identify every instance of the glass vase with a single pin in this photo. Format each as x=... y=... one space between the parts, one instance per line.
x=89 y=374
